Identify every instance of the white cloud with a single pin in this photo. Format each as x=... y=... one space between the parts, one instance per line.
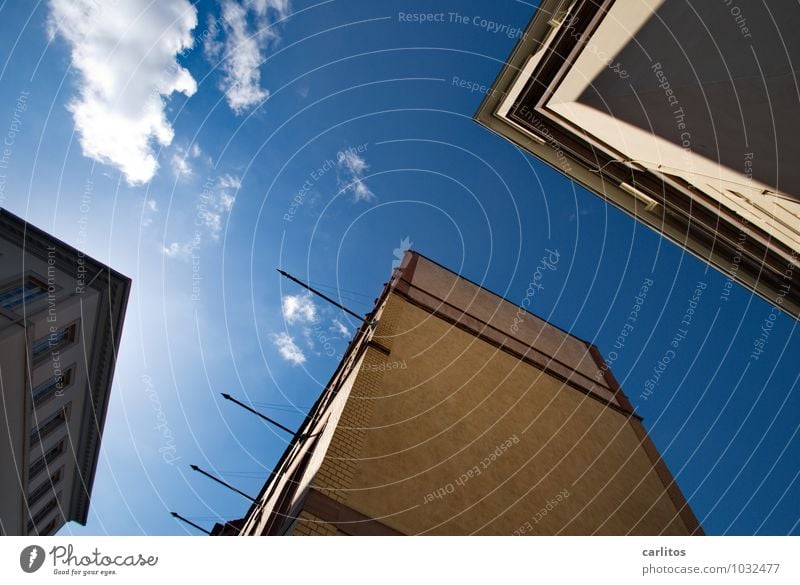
x=125 y=54
x=288 y=348
x=180 y=250
x=361 y=192
x=215 y=203
x=149 y=210
x=340 y=328
x=307 y=335
x=249 y=29
x=229 y=182
x=180 y=161
x=298 y=309
x=353 y=166
x=181 y=166
x=226 y=201
x=354 y=163
x=210 y=212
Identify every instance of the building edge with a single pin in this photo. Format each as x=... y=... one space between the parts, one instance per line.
x=114 y=289
x=356 y=523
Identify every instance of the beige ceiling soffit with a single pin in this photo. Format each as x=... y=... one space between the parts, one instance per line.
x=518 y=85
x=649 y=203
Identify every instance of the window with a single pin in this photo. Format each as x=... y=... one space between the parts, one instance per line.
x=54 y=341
x=47 y=487
x=50 y=424
x=49 y=529
x=47 y=459
x=50 y=388
x=16 y=295
x=42 y=514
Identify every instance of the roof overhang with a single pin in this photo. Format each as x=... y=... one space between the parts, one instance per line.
x=538 y=101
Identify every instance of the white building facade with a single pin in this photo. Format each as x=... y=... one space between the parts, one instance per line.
x=61 y=316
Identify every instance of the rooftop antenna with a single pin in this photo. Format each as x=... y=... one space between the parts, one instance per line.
x=327 y=298
x=189 y=522
x=227 y=485
x=263 y=416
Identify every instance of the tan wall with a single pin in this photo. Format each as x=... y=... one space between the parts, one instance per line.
x=332 y=434
x=310 y=525
x=457 y=401
x=506 y=323
x=324 y=463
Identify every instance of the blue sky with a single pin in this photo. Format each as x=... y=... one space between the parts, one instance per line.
x=334 y=133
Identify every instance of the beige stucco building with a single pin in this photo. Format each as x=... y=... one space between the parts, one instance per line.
x=454 y=411
x=61 y=315
x=684 y=115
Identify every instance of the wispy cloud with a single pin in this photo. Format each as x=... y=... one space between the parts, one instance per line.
x=288 y=348
x=149 y=211
x=181 y=166
x=352 y=167
x=211 y=210
x=298 y=309
x=181 y=160
x=340 y=328
x=125 y=54
x=178 y=250
x=248 y=29
x=215 y=203
x=229 y=182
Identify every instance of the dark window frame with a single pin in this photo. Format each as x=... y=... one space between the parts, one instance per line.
x=48 y=530
x=70 y=337
x=47 y=390
x=20 y=282
x=47 y=458
x=50 y=424
x=47 y=486
x=51 y=505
